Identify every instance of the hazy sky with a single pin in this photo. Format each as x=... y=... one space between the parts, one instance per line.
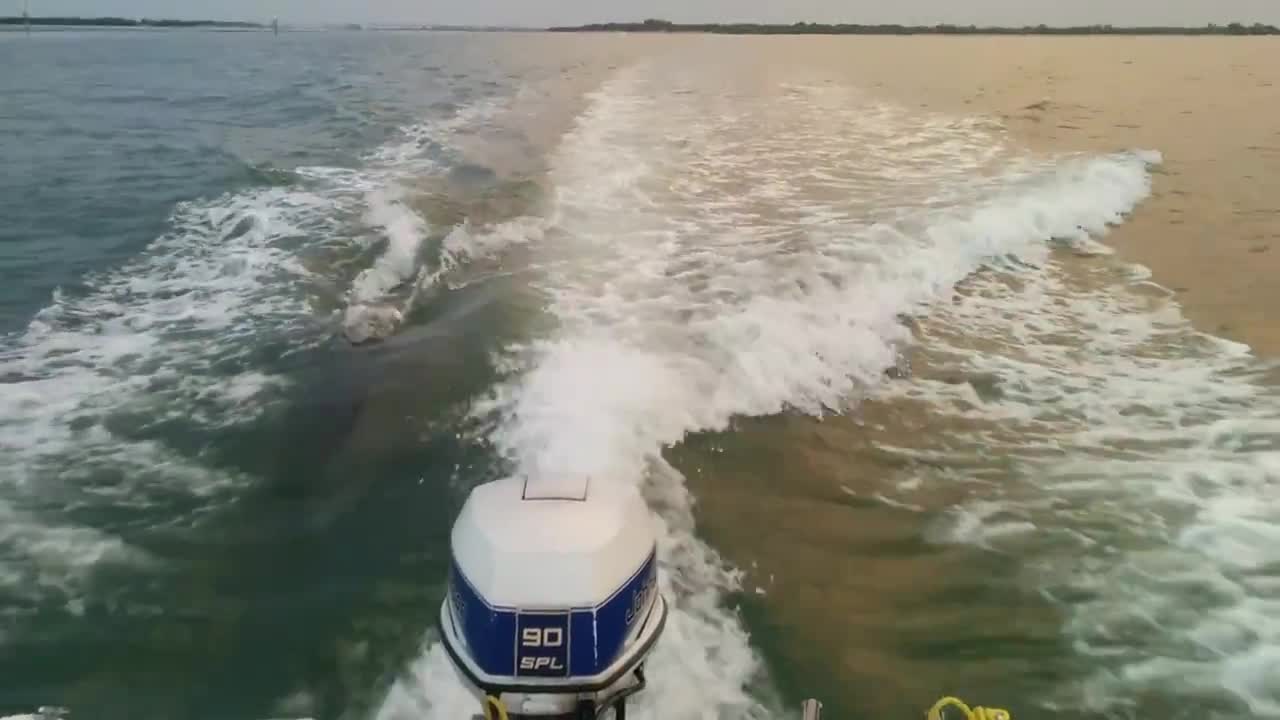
x=546 y=12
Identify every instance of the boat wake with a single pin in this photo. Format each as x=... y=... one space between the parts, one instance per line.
x=196 y=335
x=699 y=269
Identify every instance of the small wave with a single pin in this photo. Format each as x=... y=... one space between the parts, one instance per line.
x=378 y=315
x=374 y=311
x=176 y=337
x=42 y=713
x=167 y=332
x=168 y=338
x=1145 y=458
x=40 y=558
x=266 y=174
x=368 y=315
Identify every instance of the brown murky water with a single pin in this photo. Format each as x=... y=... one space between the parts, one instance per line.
x=1211 y=229
x=861 y=294
x=856 y=593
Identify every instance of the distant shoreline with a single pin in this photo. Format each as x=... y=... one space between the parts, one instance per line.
x=802 y=28
x=117 y=22
x=663 y=26
x=126 y=23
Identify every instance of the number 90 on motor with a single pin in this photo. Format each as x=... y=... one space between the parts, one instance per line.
x=542 y=645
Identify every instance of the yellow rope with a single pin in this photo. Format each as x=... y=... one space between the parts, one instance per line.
x=492 y=704
x=495 y=709
x=977 y=713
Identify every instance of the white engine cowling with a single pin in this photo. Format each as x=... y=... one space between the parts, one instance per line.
x=553 y=600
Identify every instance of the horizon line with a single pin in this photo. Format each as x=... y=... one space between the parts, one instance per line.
x=652 y=25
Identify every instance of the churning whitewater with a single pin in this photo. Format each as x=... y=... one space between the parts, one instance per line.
x=700 y=269
x=171 y=336
x=565 y=265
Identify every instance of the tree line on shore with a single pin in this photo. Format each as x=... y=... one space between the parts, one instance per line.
x=805 y=28
x=799 y=28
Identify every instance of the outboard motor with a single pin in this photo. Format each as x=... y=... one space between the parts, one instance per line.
x=553 y=601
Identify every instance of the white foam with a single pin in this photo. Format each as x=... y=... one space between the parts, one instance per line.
x=429 y=688
x=171 y=336
x=382 y=295
x=371 y=312
x=165 y=338
x=40 y=558
x=1143 y=458
x=699 y=269
x=404 y=231
x=147 y=338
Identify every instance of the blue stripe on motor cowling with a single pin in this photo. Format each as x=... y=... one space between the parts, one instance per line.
x=595 y=635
